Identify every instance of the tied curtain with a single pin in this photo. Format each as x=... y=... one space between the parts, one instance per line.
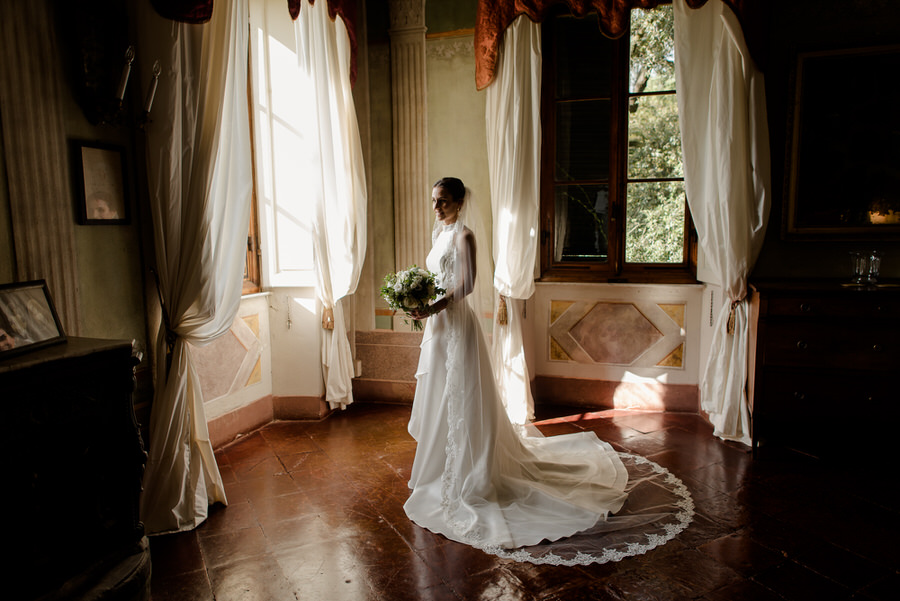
x=199 y=179
x=721 y=102
x=512 y=117
x=336 y=190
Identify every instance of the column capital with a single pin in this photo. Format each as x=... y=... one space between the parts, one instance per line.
x=407 y=16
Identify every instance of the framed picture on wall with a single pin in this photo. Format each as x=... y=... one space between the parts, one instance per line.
x=100 y=183
x=843 y=160
x=28 y=319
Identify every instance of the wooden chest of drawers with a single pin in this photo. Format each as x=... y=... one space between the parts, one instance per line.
x=73 y=459
x=825 y=366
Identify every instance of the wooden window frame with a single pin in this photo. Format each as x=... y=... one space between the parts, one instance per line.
x=615 y=269
x=252 y=272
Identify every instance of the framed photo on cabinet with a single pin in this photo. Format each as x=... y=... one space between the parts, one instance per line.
x=28 y=319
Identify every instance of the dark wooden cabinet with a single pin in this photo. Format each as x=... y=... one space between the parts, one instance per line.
x=825 y=366
x=74 y=460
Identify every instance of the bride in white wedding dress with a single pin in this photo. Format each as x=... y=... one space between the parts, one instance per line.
x=479 y=480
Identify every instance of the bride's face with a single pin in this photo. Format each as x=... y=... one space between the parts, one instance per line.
x=446 y=208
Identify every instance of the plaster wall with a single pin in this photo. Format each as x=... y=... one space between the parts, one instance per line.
x=109 y=256
x=380 y=174
x=236 y=369
x=295 y=331
x=457 y=144
x=268 y=366
x=110 y=286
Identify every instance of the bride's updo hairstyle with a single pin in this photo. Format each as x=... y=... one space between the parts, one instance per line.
x=454 y=186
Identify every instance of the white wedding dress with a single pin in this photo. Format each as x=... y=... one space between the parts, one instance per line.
x=479 y=480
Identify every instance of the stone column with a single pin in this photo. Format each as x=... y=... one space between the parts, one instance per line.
x=413 y=217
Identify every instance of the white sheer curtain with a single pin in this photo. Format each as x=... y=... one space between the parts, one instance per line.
x=198 y=162
x=337 y=190
x=721 y=101
x=513 y=124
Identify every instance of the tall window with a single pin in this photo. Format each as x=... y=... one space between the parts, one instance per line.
x=282 y=100
x=612 y=194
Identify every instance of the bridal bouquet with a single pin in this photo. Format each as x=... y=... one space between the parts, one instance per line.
x=410 y=289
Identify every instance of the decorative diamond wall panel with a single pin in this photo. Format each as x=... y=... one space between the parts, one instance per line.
x=617 y=333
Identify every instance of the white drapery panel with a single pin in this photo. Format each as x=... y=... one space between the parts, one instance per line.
x=199 y=174
x=513 y=123
x=721 y=102
x=337 y=191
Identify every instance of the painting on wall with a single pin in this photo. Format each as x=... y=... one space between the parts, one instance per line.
x=843 y=159
x=28 y=319
x=101 y=190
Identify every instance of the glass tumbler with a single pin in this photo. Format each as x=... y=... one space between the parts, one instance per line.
x=858 y=267
x=874 y=267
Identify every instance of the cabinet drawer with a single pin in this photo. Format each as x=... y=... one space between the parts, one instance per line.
x=865 y=307
x=825 y=413
x=810 y=393
x=817 y=345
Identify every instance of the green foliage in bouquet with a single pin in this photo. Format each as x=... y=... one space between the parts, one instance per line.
x=410 y=289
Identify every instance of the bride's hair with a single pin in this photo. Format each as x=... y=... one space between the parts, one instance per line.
x=454 y=186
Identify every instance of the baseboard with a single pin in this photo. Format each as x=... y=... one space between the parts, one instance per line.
x=384 y=391
x=596 y=394
x=300 y=408
x=602 y=394
x=248 y=418
x=226 y=428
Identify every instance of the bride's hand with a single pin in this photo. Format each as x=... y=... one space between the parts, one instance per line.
x=431 y=309
x=420 y=313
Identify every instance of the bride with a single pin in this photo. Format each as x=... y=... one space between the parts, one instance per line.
x=476 y=479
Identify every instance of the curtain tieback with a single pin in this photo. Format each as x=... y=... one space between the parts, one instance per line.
x=170 y=335
x=730 y=325
x=502 y=315
x=327 y=318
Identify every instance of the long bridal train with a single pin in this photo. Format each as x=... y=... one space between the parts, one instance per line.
x=477 y=479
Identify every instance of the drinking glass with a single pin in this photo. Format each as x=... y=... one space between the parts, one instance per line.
x=858 y=267
x=874 y=267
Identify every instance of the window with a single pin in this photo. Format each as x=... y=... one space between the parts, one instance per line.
x=612 y=190
x=284 y=157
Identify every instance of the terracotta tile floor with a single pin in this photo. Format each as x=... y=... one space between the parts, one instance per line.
x=315 y=512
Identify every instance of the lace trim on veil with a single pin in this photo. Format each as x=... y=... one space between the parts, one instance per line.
x=659 y=507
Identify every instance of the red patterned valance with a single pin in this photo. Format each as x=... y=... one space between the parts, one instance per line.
x=494 y=16
x=185 y=11
x=200 y=11
x=346 y=9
